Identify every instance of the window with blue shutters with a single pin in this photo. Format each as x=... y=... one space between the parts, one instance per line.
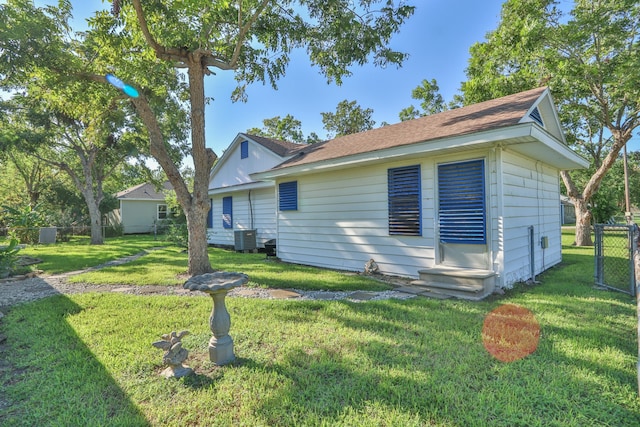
x=244 y=149
x=227 y=212
x=462 y=209
x=288 y=196
x=210 y=215
x=405 y=216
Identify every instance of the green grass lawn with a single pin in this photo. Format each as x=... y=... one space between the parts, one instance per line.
x=87 y=360
x=167 y=266
x=79 y=254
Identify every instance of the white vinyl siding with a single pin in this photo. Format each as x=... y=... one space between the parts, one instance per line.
x=236 y=170
x=342 y=222
x=531 y=197
x=264 y=216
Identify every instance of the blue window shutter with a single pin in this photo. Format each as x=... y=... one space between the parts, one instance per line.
x=227 y=212
x=210 y=215
x=405 y=209
x=244 y=149
x=462 y=210
x=288 y=192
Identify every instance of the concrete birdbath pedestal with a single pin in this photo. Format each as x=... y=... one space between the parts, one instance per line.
x=217 y=285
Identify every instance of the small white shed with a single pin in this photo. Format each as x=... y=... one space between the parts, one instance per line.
x=465 y=201
x=141 y=208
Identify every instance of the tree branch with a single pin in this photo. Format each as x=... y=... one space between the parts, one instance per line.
x=244 y=29
x=162 y=52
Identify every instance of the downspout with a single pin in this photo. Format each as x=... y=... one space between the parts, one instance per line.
x=250 y=212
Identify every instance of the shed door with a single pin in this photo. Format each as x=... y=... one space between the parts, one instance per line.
x=462 y=217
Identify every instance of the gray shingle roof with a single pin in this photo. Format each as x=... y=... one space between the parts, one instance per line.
x=144 y=191
x=489 y=115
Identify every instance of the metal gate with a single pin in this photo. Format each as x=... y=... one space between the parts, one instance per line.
x=614 y=249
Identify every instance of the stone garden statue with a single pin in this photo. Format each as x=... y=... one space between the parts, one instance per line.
x=174 y=355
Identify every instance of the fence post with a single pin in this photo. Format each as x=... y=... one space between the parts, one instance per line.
x=636 y=261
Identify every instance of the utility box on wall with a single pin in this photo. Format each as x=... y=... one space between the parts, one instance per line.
x=544 y=242
x=245 y=240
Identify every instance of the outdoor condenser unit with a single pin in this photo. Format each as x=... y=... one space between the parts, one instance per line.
x=245 y=240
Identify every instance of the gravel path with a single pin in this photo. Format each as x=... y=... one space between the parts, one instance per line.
x=23 y=290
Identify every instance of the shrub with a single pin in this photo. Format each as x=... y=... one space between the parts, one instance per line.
x=8 y=258
x=177 y=233
x=24 y=223
x=114 y=230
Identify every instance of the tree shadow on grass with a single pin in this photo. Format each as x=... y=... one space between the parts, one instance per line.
x=401 y=359
x=50 y=377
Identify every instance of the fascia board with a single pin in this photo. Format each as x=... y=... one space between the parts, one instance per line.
x=241 y=187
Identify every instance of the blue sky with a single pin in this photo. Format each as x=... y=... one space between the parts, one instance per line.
x=437 y=38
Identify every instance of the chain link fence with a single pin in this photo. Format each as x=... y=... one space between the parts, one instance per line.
x=615 y=246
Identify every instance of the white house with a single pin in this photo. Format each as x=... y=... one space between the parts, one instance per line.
x=141 y=208
x=237 y=201
x=466 y=200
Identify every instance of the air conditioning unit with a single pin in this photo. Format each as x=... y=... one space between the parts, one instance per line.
x=245 y=240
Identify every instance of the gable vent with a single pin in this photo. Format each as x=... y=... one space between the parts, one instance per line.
x=535 y=115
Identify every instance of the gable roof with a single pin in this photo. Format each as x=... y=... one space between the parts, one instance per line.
x=271 y=152
x=146 y=191
x=488 y=116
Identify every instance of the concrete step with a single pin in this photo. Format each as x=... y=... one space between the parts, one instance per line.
x=472 y=284
x=452 y=293
x=466 y=287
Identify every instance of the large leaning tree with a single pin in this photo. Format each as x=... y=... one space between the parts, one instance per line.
x=589 y=57
x=254 y=40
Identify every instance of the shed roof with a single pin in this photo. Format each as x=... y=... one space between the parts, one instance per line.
x=146 y=191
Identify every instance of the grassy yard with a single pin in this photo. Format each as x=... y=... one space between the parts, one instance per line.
x=87 y=359
x=79 y=254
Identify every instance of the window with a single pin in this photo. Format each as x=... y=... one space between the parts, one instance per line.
x=244 y=149
x=461 y=195
x=227 y=212
x=404 y=201
x=163 y=212
x=210 y=215
x=288 y=192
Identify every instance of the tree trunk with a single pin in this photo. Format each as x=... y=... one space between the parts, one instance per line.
x=198 y=247
x=94 y=216
x=195 y=205
x=583 y=223
x=202 y=162
x=96 y=226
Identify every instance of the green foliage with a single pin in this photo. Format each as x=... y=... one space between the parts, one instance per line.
x=8 y=257
x=432 y=101
x=176 y=232
x=24 y=222
x=284 y=129
x=349 y=118
x=114 y=230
